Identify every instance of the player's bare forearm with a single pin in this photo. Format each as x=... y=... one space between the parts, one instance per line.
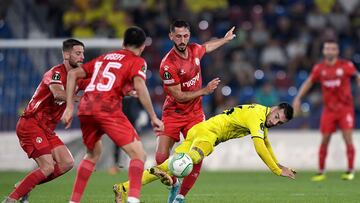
x=144 y=96
x=184 y=96
x=305 y=87
x=265 y=155
x=216 y=43
x=72 y=77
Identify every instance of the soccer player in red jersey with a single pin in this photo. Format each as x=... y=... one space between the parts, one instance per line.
x=35 y=128
x=100 y=110
x=334 y=75
x=181 y=74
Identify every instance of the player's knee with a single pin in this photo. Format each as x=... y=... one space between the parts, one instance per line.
x=66 y=165
x=161 y=157
x=47 y=169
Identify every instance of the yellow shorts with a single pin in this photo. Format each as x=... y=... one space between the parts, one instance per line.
x=197 y=134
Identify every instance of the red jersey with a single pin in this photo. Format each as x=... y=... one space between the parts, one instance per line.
x=111 y=76
x=335 y=83
x=43 y=105
x=176 y=70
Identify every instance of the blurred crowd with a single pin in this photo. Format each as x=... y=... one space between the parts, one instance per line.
x=277 y=43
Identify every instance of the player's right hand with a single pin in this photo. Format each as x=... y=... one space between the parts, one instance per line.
x=158 y=125
x=288 y=172
x=67 y=117
x=211 y=86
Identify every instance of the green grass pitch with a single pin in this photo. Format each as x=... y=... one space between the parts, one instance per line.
x=211 y=187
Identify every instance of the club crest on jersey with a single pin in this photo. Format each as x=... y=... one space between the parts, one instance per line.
x=167 y=75
x=143 y=69
x=56 y=76
x=197 y=61
x=38 y=140
x=262 y=126
x=339 y=72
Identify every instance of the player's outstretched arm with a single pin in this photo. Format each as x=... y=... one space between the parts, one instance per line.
x=265 y=155
x=305 y=87
x=181 y=96
x=72 y=77
x=216 y=43
x=144 y=97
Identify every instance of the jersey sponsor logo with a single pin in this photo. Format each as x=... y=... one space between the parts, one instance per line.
x=38 y=140
x=192 y=81
x=56 y=76
x=332 y=83
x=167 y=75
x=339 y=72
x=114 y=57
x=197 y=61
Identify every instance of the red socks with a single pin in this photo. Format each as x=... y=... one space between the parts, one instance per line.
x=350 y=152
x=136 y=169
x=190 y=180
x=322 y=157
x=83 y=174
x=27 y=184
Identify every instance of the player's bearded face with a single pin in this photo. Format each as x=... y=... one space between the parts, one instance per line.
x=276 y=117
x=330 y=51
x=76 y=56
x=180 y=38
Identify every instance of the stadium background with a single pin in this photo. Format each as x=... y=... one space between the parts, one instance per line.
x=276 y=46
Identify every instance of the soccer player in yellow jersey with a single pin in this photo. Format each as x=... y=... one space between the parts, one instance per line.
x=234 y=123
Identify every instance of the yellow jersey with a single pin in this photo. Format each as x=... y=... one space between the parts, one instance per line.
x=238 y=122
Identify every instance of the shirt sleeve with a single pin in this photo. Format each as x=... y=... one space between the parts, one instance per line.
x=315 y=73
x=54 y=76
x=256 y=127
x=138 y=68
x=350 y=69
x=268 y=146
x=169 y=74
x=265 y=155
x=200 y=49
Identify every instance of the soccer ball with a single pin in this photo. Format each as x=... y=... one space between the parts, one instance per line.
x=180 y=165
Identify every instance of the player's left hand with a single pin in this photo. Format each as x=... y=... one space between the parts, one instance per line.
x=158 y=125
x=230 y=34
x=67 y=117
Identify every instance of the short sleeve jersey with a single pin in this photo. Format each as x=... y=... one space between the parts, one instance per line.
x=238 y=122
x=175 y=70
x=111 y=77
x=42 y=104
x=335 y=83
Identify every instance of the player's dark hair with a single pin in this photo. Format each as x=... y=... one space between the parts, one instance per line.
x=134 y=37
x=288 y=110
x=70 y=43
x=179 y=24
x=331 y=41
